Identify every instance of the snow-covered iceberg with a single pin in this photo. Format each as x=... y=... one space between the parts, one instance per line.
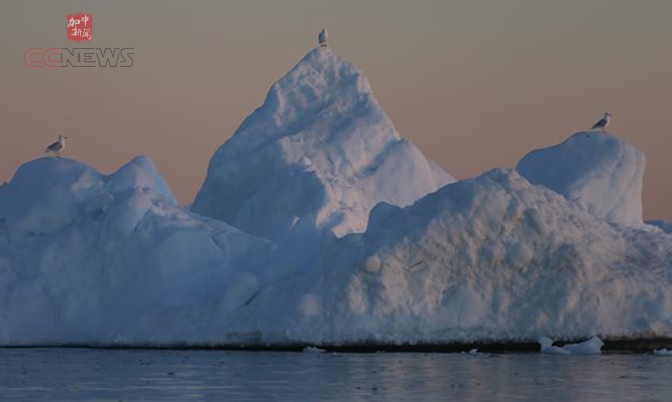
x=495 y=258
x=599 y=171
x=320 y=148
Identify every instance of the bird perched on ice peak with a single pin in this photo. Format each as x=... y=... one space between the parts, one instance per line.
x=603 y=122
x=57 y=146
x=323 y=37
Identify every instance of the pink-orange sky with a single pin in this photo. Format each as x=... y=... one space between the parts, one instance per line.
x=474 y=84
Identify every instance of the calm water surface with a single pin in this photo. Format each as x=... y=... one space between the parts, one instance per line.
x=173 y=375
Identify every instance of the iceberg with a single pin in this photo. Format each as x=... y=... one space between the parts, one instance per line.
x=318 y=225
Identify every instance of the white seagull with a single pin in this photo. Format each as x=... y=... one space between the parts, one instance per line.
x=57 y=146
x=323 y=37
x=603 y=122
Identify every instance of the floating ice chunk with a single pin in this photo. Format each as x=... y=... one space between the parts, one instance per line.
x=548 y=348
x=313 y=349
x=475 y=353
x=662 y=352
x=592 y=346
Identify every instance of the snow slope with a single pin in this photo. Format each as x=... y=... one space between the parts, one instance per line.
x=597 y=170
x=320 y=148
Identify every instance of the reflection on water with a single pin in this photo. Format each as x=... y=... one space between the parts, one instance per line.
x=173 y=375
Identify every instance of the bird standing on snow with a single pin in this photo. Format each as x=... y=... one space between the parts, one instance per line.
x=323 y=37
x=603 y=122
x=57 y=146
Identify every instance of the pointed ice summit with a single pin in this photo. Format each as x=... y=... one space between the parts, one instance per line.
x=320 y=149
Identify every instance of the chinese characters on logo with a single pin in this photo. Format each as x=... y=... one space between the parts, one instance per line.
x=79 y=27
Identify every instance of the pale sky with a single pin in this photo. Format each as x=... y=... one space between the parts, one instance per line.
x=474 y=84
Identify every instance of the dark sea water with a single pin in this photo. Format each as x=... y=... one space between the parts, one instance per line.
x=195 y=375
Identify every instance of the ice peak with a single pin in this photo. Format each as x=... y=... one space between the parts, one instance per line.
x=319 y=146
x=319 y=81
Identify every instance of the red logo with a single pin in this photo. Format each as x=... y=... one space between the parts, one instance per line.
x=79 y=27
